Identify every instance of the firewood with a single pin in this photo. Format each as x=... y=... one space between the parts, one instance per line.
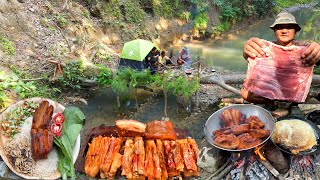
x=219 y=170
x=272 y=170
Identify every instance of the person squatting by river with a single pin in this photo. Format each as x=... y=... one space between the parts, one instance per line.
x=184 y=57
x=164 y=60
x=285 y=28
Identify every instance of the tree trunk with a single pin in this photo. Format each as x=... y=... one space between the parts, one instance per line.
x=239 y=79
x=118 y=101
x=136 y=98
x=165 y=102
x=218 y=80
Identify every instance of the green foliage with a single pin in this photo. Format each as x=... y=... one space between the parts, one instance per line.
x=72 y=75
x=170 y=8
x=24 y=89
x=229 y=10
x=61 y=20
x=74 y=119
x=290 y=3
x=104 y=76
x=133 y=12
x=185 y=87
x=262 y=8
x=128 y=79
x=311 y=28
x=112 y=10
x=219 y=28
x=7 y=46
x=316 y=70
x=86 y=13
x=201 y=21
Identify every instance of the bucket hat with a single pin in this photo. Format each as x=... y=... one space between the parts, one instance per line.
x=285 y=18
x=186 y=48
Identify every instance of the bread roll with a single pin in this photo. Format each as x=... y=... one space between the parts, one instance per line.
x=295 y=135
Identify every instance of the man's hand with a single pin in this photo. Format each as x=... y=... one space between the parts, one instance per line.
x=253 y=48
x=311 y=55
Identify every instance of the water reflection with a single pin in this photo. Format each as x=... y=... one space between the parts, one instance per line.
x=227 y=53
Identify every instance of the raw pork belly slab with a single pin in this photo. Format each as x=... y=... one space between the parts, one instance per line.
x=281 y=75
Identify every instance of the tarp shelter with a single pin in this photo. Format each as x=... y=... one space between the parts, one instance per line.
x=134 y=52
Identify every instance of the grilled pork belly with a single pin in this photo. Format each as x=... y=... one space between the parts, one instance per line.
x=41 y=143
x=130 y=128
x=163 y=130
x=42 y=116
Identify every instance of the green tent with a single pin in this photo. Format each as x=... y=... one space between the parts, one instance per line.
x=136 y=49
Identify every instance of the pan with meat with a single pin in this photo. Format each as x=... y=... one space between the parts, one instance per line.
x=239 y=127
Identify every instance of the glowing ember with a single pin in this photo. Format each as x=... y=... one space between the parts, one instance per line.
x=259 y=153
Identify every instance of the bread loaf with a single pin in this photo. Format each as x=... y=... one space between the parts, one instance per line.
x=295 y=135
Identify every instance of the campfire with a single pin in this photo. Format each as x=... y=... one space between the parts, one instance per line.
x=268 y=162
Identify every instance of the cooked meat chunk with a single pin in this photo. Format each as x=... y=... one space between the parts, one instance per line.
x=41 y=143
x=163 y=130
x=259 y=133
x=247 y=141
x=254 y=122
x=130 y=128
x=228 y=141
x=231 y=117
x=236 y=130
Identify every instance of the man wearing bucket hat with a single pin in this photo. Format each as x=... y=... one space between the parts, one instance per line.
x=285 y=28
x=184 y=57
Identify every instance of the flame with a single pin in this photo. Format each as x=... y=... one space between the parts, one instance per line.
x=259 y=153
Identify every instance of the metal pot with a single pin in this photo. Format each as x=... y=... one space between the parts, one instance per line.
x=315 y=129
x=213 y=122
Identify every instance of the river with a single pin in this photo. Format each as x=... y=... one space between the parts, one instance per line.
x=227 y=53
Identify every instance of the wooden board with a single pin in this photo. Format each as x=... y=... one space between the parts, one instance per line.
x=57 y=108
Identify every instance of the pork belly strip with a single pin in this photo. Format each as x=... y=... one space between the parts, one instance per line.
x=163 y=130
x=110 y=131
x=178 y=161
x=47 y=117
x=116 y=164
x=281 y=75
x=149 y=165
x=139 y=151
x=92 y=162
x=194 y=147
x=38 y=115
x=130 y=128
x=187 y=155
x=162 y=160
x=127 y=160
x=168 y=155
x=155 y=158
x=35 y=144
x=115 y=145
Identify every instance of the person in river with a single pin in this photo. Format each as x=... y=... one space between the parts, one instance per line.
x=285 y=28
x=184 y=57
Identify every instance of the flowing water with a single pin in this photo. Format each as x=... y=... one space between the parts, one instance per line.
x=222 y=54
